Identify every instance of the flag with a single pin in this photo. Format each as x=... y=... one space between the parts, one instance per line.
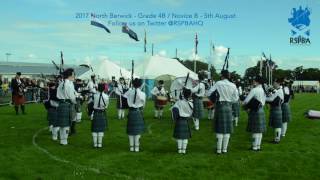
x=145 y=41
x=100 y=25
x=132 y=34
x=196 y=44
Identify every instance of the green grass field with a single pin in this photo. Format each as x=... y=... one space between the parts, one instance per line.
x=296 y=157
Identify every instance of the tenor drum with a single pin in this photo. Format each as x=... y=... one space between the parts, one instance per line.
x=207 y=103
x=162 y=100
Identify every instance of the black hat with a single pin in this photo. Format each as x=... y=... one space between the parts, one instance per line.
x=186 y=93
x=68 y=72
x=225 y=73
x=259 y=79
x=100 y=87
x=19 y=73
x=161 y=82
x=137 y=83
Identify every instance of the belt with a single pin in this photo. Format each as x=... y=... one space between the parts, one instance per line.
x=224 y=102
x=65 y=100
x=134 y=109
x=99 y=110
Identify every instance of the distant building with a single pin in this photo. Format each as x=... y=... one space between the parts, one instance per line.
x=33 y=70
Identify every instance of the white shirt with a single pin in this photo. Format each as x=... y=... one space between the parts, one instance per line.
x=185 y=108
x=66 y=91
x=227 y=90
x=277 y=93
x=155 y=91
x=286 y=90
x=104 y=98
x=140 y=98
x=92 y=87
x=258 y=94
x=120 y=89
x=199 y=90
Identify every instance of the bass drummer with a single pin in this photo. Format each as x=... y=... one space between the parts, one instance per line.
x=160 y=99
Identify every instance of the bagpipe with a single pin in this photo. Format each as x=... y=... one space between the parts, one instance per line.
x=253 y=105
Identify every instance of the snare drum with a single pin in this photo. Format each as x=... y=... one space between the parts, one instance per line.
x=207 y=103
x=162 y=100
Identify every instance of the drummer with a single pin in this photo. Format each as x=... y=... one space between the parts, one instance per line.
x=120 y=89
x=158 y=92
x=210 y=105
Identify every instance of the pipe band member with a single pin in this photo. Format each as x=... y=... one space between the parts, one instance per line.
x=226 y=94
x=120 y=89
x=135 y=126
x=181 y=112
x=255 y=102
x=92 y=88
x=236 y=104
x=52 y=106
x=198 y=94
x=285 y=107
x=18 y=93
x=157 y=91
x=67 y=99
x=100 y=121
x=275 y=100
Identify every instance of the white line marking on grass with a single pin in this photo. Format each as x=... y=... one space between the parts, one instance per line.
x=56 y=158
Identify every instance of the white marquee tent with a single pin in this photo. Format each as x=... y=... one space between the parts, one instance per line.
x=156 y=66
x=105 y=70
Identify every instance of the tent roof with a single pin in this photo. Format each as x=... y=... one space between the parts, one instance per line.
x=105 y=70
x=156 y=66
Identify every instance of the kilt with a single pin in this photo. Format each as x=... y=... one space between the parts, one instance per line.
x=181 y=129
x=123 y=104
x=53 y=116
x=135 y=124
x=286 y=112
x=197 y=107
x=223 y=118
x=99 y=122
x=256 y=121
x=275 y=120
x=66 y=113
x=78 y=105
x=236 y=109
x=18 y=100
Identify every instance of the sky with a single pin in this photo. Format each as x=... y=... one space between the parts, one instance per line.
x=37 y=30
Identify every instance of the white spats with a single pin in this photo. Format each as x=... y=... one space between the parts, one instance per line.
x=255 y=141
x=95 y=139
x=184 y=146
x=196 y=124
x=79 y=117
x=219 y=143
x=225 y=142
x=100 y=137
x=259 y=141
x=277 y=135
x=160 y=113
x=236 y=120
x=55 y=131
x=156 y=114
x=64 y=131
x=121 y=113
x=284 y=129
x=131 y=143
x=137 y=143
x=179 y=145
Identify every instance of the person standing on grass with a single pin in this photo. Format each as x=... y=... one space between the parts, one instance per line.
x=135 y=126
x=285 y=107
x=67 y=100
x=158 y=91
x=52 y=107
x=198 y=94
x=275 y=100
x=181 y=112
x=227 y=93
x=18 y=93
x=99 y=122
x=255 y=102
x=236 y=104
x=120 y=89
x=92 y=88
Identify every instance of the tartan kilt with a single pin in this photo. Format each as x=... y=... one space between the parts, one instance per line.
x=286 y=112
x=275 y=120
x=236 y=109
x=99 y=122
x=223 y=118
x=123 y=104
x=181 y=129
x=66 y=113
x=53 y=116
x=256 y=121
x=78 y=105
x=197 y=107
x=135 y=124
x=18 y=100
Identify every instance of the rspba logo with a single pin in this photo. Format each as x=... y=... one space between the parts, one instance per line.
x=300 y=22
